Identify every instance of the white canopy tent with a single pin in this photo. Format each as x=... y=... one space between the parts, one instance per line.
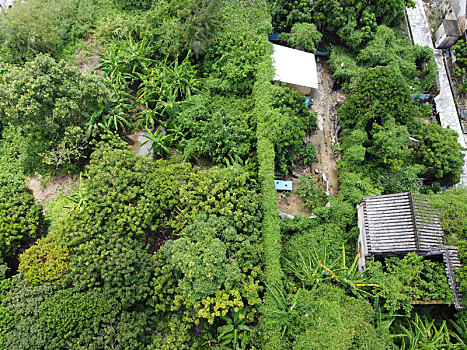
x=295 y=68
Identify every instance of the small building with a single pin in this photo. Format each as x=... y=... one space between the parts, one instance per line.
x=397 y=224
x=447 y=34
x=295 y=68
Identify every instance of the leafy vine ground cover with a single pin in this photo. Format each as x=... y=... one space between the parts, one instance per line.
x=187 y=251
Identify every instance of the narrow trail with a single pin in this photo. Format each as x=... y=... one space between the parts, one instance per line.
x=324 y=101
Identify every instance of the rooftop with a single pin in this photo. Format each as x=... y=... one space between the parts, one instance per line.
x=295 y=67
x=397 y=224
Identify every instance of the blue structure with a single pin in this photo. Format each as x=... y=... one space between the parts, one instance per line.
x=283 y=185
x=421 y=97
x=274 y=37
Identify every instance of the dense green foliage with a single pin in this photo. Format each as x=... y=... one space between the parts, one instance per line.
x=305 y=36
x=379 y=118
x=42 y=100
x=452 y=205
x=408 y=279
x=460 y=52
x=185 y=249
x=20 y=220
x=312 y=194
x=44 y=261
x=354 y=22
x=267 y=115
x=46 y=26
x=388 y=48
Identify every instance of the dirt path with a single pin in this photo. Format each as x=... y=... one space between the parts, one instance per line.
x=325 y=102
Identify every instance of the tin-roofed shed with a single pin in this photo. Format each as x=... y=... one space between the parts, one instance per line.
x=397 y=224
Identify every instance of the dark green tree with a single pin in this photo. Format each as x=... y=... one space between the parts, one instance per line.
x=379 y=96
x=44 y=97
x=305 y=35
x=439 y=151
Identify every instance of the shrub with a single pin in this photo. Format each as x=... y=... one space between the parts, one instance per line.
x=410 y=278
x=312 y=195
x=20 y=220
x=306 y=36
x=44 y=261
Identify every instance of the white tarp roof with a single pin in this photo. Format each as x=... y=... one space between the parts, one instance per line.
x=295 y=67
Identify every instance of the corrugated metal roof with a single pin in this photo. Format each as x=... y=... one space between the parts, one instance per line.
x=389 y=224
x=400 y=223
x=397 y=224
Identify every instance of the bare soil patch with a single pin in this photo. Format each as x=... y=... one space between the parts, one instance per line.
x=289 y=202
x=88 y=64
x=45 y=191
x=325 y=103
x=433 y=14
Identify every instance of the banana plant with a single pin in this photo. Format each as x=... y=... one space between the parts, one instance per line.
x=108 y=117
x=77 y=198
x=177 y=132
x=384 y=319
x=92 y=122
x=308 y=269
x=235 y=333
x=158 y=141
x=122 y=64
x=181 y=78
x=167 y=81
x=350 y=278
x=150 y=88
x=287 y=309
x=423 y=334
x=460 y=334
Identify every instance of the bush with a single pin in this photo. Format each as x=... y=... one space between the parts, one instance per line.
x=44 y=261
x=43 y=98
x=133 y=4
x=440 y=152
x=308 y=154
x=45 y=26
x=295 y=123
x=306 y=36
x=312 y=195
x=410 y=278
x=20 y=220
x=95 y=318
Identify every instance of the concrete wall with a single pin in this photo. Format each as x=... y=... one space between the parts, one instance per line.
x=444 y=40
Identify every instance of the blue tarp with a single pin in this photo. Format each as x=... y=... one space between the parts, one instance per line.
x=274 y=37
x=421 y=97
x=283 y=185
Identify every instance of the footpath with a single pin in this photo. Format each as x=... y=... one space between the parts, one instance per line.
x=444 y=101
